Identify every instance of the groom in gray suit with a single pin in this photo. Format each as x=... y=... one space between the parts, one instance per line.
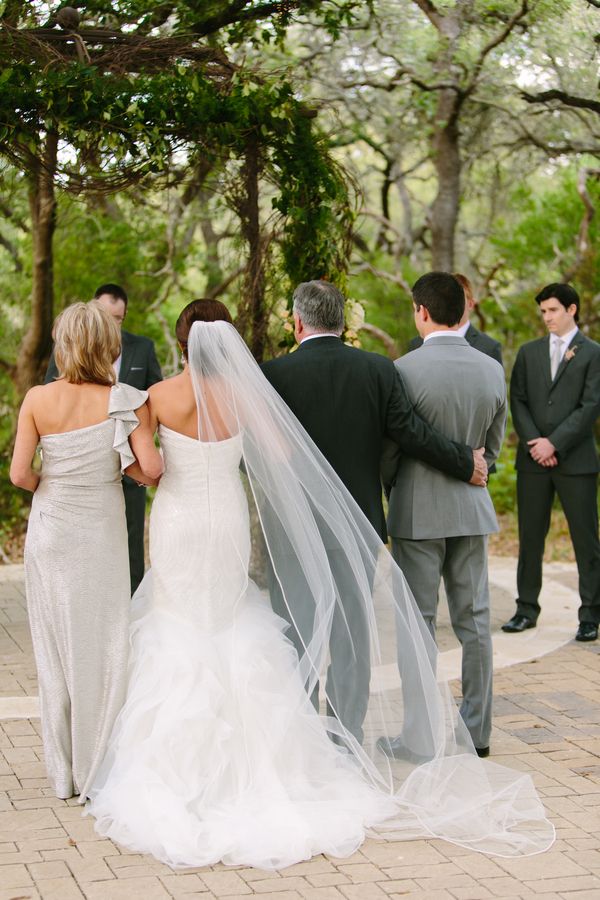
x=439 y=525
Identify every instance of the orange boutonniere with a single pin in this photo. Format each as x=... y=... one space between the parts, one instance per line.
x=569 y=354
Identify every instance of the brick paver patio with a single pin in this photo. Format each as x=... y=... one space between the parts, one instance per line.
x=547 y=722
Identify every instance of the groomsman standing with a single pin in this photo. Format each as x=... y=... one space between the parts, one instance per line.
x=477 y=339
x=138 y=366
x=555 y=401
x=439 y=525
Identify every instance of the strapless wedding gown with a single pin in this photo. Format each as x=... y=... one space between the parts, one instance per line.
x=217 y=753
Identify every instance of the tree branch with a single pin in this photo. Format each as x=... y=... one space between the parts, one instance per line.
x=495 y=42
x=564 y=97
x=221 y=288
x=583 y=238
x=13 y=252
x=432 y=13
x=397 y=80
x=236 y=13
x=386 y=339
x=381 y=273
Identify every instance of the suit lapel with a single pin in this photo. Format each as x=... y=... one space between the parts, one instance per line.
x=125 y=355
x=575 y=343
x=471 y=335
x=544 y=363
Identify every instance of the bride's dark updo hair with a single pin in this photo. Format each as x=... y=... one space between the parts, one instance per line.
x=199 y=311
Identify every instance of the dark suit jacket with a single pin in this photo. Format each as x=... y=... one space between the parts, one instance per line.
x=139 y=365
x=475 y=338
x=349 y=400
x=563 y=410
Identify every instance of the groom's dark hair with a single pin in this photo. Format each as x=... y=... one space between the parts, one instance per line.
x=442 y=296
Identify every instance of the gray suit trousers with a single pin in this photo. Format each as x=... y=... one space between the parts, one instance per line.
x=462 y=563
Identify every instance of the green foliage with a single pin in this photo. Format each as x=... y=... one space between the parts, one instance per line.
x=13 y=505
x=314 y=200
x=550 y=212
x=387 y=305
x=136 y=122
x=503 y=482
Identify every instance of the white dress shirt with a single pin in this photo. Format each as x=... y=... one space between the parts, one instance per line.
x=451 y=332
x=310 y=337
x=565 y=340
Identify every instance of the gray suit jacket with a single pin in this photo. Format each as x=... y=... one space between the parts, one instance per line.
x=461 y=392
x=478 y=339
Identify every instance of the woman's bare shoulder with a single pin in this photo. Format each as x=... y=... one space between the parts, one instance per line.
x=166 y=386
x=42 y=393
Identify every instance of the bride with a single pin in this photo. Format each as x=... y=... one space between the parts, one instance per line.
x=218 y=753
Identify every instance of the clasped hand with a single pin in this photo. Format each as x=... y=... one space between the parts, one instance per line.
x=543 y=451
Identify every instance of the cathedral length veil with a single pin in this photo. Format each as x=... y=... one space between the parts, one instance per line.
x=307 y=519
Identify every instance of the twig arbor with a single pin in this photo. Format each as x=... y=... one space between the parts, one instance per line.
x=93 y=110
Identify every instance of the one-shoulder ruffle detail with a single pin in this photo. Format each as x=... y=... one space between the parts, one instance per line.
x=124 y=400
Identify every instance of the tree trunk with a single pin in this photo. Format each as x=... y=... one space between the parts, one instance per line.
x=253 y=312
x=37 y=342
x=447 y=161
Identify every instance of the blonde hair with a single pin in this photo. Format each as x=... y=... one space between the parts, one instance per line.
x=87 y=340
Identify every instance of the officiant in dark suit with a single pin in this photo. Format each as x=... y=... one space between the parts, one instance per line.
x=555 y=401
x=138 y=366
x=349 y=400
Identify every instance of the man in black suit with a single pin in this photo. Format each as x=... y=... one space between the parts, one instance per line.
x=475 y=338
x=555 y=401
x=349 y=400
x=137 y=365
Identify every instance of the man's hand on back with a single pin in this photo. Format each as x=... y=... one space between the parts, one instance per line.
x=480 y=469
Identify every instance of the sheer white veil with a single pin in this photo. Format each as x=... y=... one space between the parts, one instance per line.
x=329 y=575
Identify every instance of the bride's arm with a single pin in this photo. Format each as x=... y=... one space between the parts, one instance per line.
x=21 y=473
x=149 y=464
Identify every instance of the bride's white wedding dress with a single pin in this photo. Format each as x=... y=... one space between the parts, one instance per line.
x=218 y=753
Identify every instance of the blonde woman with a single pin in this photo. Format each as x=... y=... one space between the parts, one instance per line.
x=76 y=558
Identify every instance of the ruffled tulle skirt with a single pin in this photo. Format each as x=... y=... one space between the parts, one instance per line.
x=218 y=754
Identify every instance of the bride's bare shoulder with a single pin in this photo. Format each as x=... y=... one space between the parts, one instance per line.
x=166 y=386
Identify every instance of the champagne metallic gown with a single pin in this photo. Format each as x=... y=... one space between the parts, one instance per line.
x=77 y=583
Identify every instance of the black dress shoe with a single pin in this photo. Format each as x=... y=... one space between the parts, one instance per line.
x=518 y=623
x=482 y=751
x=587 y=631
x=395 y=749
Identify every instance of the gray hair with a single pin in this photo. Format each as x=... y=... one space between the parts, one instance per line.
x=320 y=305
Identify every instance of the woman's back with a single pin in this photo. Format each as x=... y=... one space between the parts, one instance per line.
x=61 y=406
